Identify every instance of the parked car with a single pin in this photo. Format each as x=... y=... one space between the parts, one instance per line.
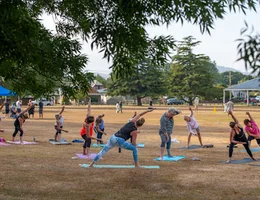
x=44 y=101
x=252 y=100
x=174 y=101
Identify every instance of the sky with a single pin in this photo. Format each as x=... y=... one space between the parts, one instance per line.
x=220 y=46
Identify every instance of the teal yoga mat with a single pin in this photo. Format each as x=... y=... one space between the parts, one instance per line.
x=60 y=143
x=98 y=145
x=120 y=166
x=252 y=150
x=174 y=158
x=245 y=160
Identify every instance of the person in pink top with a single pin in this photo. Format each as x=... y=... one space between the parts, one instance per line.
x=252 y=129
x=192 y=125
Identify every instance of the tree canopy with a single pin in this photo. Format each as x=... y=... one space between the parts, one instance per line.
x=31 y=56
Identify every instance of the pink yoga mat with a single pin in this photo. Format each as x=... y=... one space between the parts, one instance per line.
x=4 y=144
x=91 y=156
x=24 y=142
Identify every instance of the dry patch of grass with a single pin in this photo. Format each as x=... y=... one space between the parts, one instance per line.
x=46 y=171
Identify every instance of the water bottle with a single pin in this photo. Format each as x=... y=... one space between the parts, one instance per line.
x=119 y=150
x=34 y=138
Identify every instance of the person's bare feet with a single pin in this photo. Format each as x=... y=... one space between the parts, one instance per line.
x=253 y=159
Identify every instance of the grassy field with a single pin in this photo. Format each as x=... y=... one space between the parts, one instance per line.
x=47 y=171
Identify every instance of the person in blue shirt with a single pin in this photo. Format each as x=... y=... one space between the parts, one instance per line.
x=100 y=128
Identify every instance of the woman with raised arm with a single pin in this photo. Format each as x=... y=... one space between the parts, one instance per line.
x=18 y=123
x=237 y=136
x=87 y=130
x=58 y=125
x=192 y=125
x=128 y=131
x=252 y=129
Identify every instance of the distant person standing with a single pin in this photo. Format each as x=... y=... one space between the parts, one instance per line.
x=117 y=107
x=40 y=109
x=121 y=106
x=18 y=106
x=196 y=102
x=31 y=110
x=7 y=108
x=151 y=104
x=230 y=106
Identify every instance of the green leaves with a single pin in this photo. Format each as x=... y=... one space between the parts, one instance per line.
x=249 y=49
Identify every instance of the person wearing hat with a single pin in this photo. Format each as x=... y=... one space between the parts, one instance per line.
x=100 y=128
x=165 y=131
x=18 y=123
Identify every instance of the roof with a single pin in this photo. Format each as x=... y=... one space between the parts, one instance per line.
x=96 y=83
x=253 y=84
x=93 y=91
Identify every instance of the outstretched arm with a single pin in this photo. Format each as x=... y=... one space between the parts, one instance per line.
x=141 y=114
x=250 y=117
x=89 y=107
x=28 y=108
x=191 y=112
x=62 y=110
x=234 y=118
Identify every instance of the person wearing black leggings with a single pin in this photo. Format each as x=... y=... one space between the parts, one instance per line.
x=237 y=136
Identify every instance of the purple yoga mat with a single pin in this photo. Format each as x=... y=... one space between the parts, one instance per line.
x=24 y=142
x=4 y=144
x=91 y=156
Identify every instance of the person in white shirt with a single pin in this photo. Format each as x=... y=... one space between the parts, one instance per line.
x=18 y=106
x=196 y=102
x=192 y=125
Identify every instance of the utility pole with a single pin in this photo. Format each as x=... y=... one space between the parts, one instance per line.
x=230 y=77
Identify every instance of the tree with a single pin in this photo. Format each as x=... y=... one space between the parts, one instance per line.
x=116 y=27
x=249 y=49
x=34 y=60
x=191 y=74
x=146 y=81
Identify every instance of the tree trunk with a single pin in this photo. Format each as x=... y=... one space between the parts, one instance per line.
x=139 y=102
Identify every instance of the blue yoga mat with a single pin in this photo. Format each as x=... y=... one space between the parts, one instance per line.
x=245 y=160
x=252 y=150
x=98 y=145
x=191 y=147
x=140 y=145
x=120 y=166
x=174 y=158
x=60 y=143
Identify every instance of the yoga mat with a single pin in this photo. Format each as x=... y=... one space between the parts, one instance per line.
x=77 y=141
x=140 y=145
x=4 y=144
x=252 y=150
x=258 y=165
x=98 y=145
x=91 y=156
x=245 y=160
x=18 y=142
x=191 y=147
x=120 y=166
x=174 y=158
x=60 y=143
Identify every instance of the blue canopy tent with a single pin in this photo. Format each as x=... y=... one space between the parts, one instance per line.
x=6 y=92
